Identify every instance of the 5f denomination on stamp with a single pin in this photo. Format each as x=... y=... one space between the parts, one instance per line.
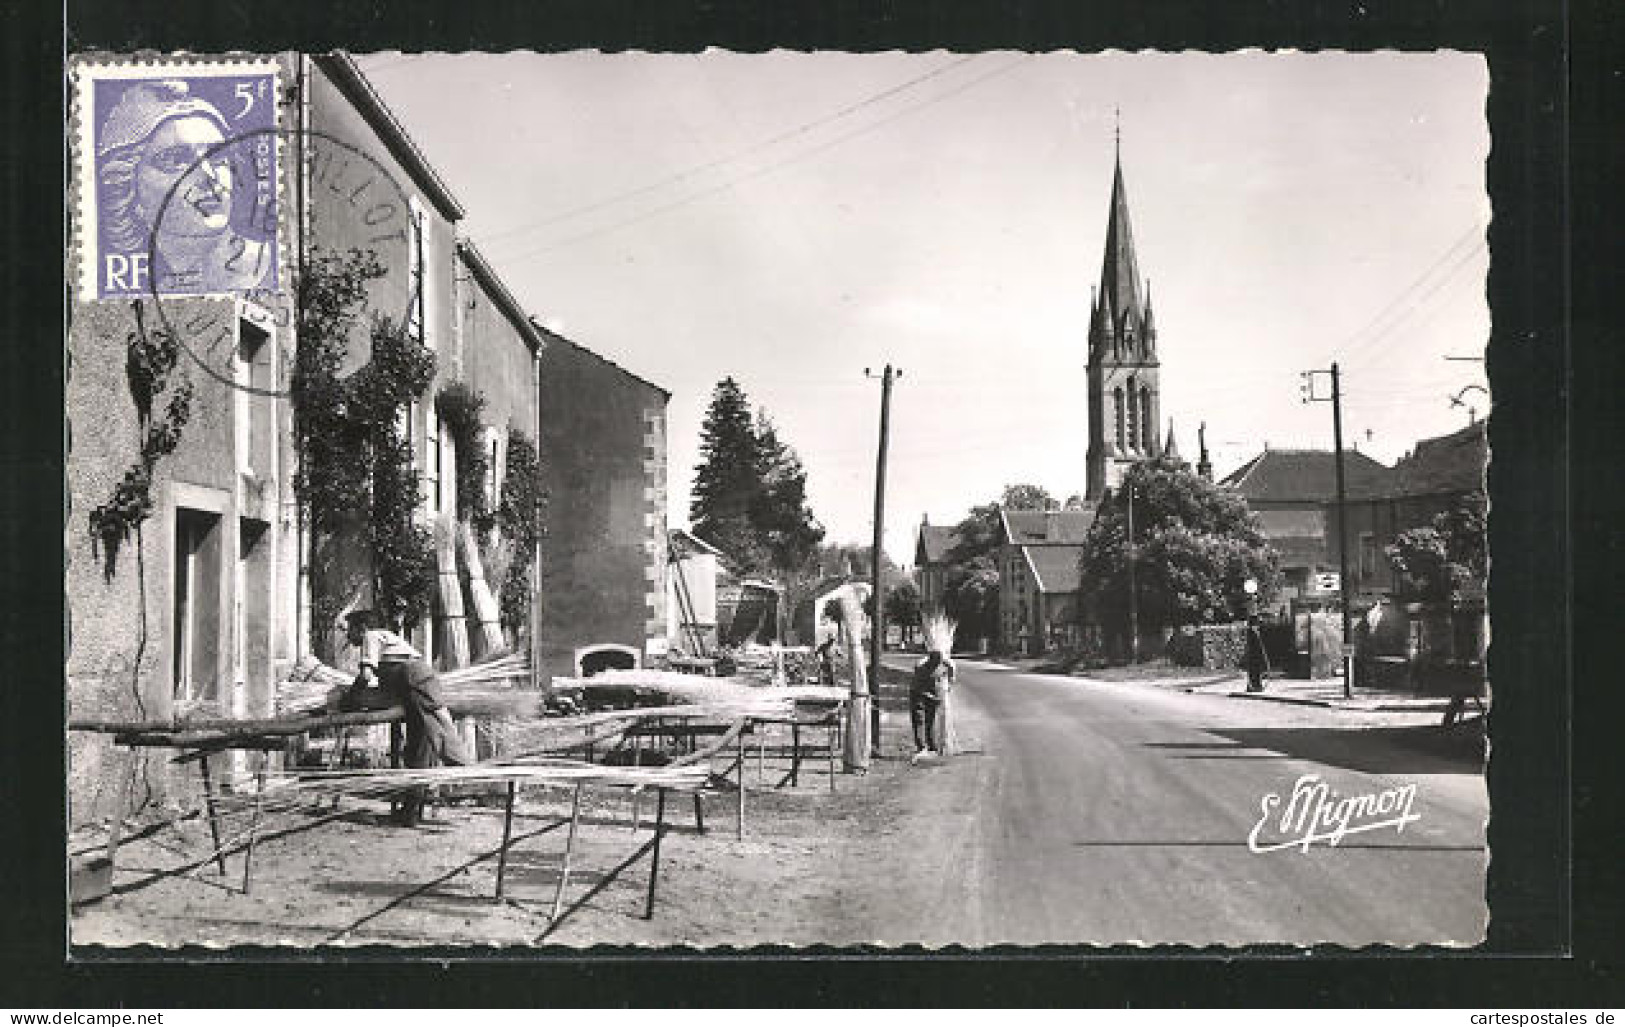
x=177 y=169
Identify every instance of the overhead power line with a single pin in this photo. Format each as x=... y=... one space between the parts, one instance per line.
x=738 y=155
x=760 y=172
x=1354 y=341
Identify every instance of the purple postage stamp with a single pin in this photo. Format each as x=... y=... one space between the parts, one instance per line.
x=178 y=178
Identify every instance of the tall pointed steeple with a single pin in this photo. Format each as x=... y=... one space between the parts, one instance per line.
x=1125 y=393
x=1120 y=270
x=1204 y=466
x=1170 y=448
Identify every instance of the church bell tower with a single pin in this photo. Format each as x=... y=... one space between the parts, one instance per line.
x=1125 y=395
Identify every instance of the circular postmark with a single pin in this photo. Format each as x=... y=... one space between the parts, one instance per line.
x=217 y=235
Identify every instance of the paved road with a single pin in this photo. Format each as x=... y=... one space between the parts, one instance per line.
x=1116 y=812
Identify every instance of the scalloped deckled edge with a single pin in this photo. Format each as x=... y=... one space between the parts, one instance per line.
x=85 y=70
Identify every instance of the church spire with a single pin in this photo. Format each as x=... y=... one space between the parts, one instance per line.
x=1120 y=271
x=1170 y=448
x=1204 y=466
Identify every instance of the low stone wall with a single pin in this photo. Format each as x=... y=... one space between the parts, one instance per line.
x=1209 y=646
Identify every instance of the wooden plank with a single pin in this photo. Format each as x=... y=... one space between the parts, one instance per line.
x=214 y=823
x=451 y=592
x=507 y=835
x=487 y=614
x=654 y=859
x=569 y=850
x=254 y=822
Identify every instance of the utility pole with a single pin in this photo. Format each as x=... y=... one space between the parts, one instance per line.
x=1133 y=592
x=878 y=633
x=1336 y=400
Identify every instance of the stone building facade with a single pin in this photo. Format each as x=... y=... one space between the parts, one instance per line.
x=203 y=606
x=603 y=457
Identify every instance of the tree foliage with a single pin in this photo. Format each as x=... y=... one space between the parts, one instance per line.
x=462 y=411
x=1027 y=497
x=903 y=605
x=750 y=489
x=518 y=518
x=353 y=455
x=1434 y=562
x=970 y=595
x=1195 y=545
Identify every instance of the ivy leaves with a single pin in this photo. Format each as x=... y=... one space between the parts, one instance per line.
x=149 y=368
x=353 y=454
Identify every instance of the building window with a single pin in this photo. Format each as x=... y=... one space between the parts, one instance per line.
x=195 y=606
x=494 y=470
x=250 y=341
x=1133 y=415
x=417 y=257
x=1117 y=412
x=437 y=469
x=1146 y=426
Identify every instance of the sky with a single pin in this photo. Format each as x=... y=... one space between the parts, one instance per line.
x=792 y=219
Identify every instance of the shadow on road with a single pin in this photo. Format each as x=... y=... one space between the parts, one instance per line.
x=1214 y=751
x=1423 y=749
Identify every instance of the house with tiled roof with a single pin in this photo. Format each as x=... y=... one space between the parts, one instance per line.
x=932 y=544
x=1038 y=557
x=1294 y=494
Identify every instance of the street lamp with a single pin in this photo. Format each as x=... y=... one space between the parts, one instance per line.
x=1250 y=586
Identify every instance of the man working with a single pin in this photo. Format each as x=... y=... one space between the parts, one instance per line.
x=932 y=678
x=390 y=662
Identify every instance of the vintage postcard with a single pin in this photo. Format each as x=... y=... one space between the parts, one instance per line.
x=944 y=499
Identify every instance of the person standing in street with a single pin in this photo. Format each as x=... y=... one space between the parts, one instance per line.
x=1258 y=660
x=927 y=687
x=390 y=662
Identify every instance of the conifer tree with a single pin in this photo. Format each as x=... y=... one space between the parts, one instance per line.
x=727 y=477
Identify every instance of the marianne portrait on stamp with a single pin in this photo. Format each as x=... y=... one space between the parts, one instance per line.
x=169 y=188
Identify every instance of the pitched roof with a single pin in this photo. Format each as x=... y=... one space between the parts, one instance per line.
x=933 y=543
x=682 y=538
x=1299 y=536
x=353 y=83
x=1449 y=463
x=1308 y=475
x=1056 y=567
x=1046 y=527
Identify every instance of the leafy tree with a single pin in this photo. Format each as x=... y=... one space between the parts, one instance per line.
x=976 y=535
x=903 y=608
x=970 y=595
x=1434 y=562
x=1027 y=497
x=1195 y=544
x=1075 y=502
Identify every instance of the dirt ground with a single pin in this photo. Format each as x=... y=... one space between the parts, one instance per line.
x=815 y=866
x=348 y=877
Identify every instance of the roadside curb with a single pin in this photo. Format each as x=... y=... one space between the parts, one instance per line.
x=1425 y=706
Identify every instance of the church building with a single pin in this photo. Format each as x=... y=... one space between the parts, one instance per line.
x=1125 y=394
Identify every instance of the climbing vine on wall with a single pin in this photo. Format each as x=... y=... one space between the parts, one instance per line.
x=461 y=409
x=354 y=456
x=150 y=370
x=518 y=515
